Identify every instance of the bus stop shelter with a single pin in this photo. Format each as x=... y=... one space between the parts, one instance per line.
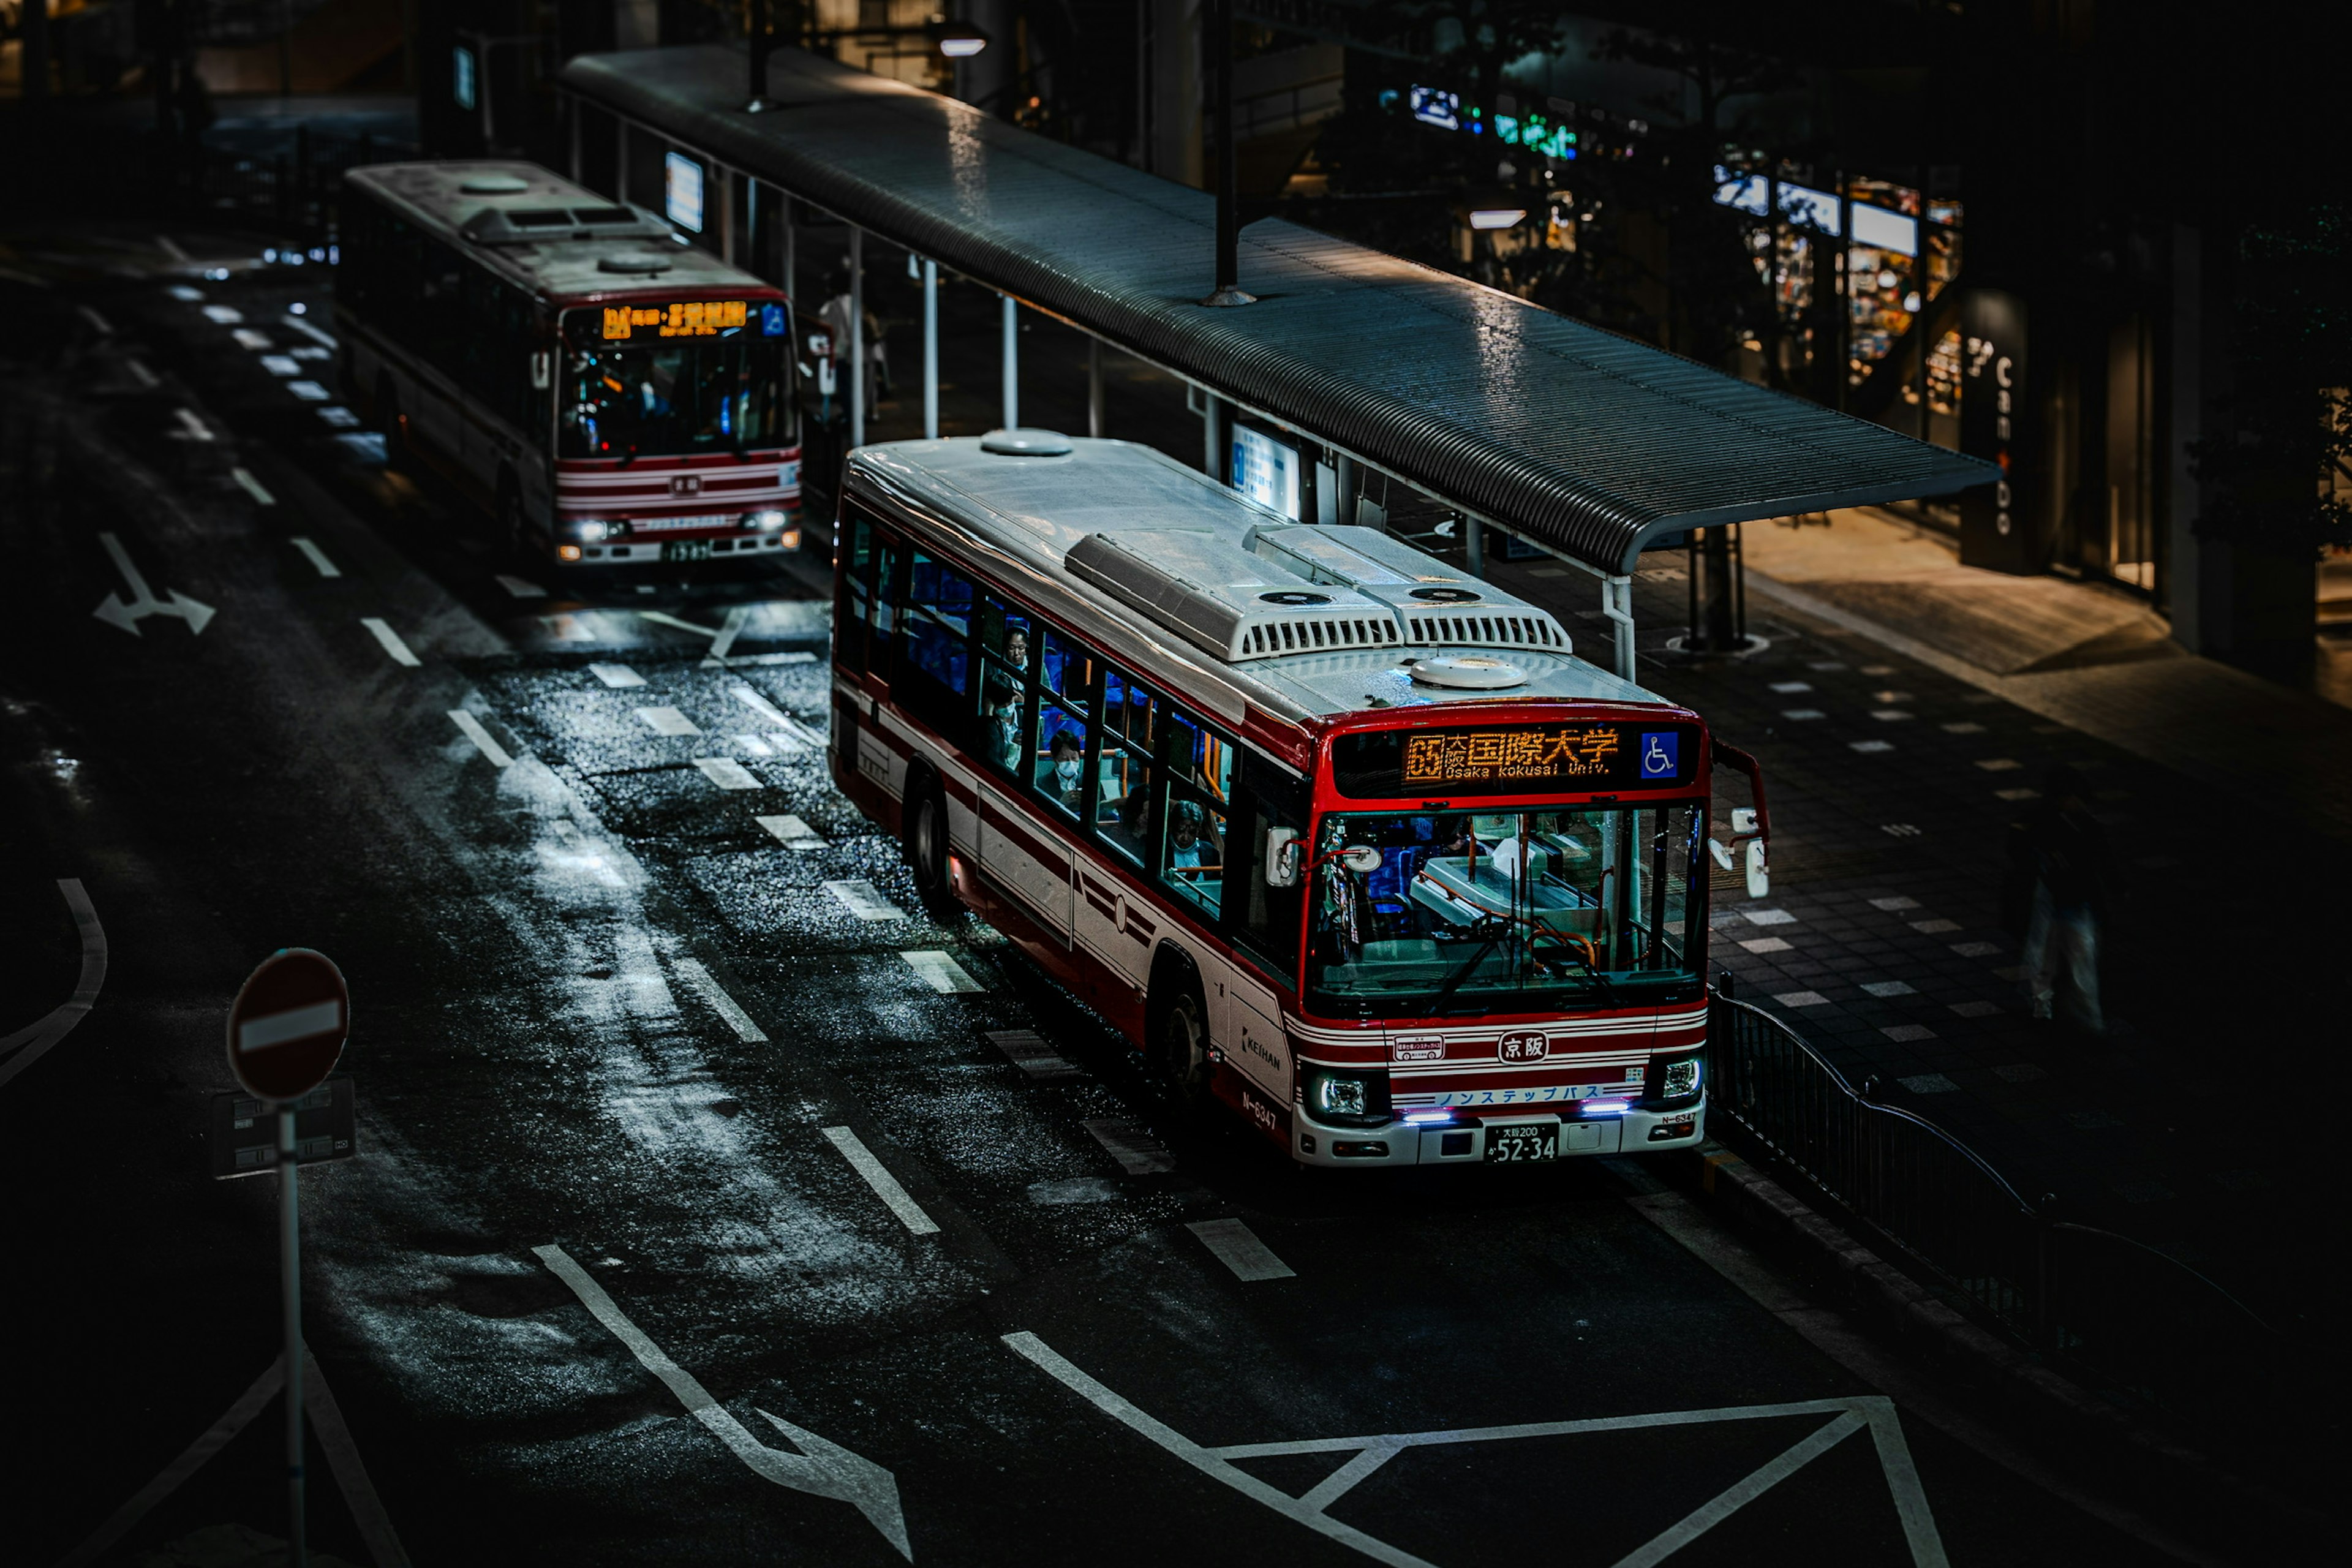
x=1586 y=444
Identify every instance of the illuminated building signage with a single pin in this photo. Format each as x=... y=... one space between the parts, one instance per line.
x=1993 y=532
x=1512 y=759
x=682 y=191
x=1538 y=133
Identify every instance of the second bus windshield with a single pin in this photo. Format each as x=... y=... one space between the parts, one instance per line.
x=672 y=398
x=1505 y=911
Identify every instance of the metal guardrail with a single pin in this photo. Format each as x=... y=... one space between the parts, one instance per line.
x=2133 y=1316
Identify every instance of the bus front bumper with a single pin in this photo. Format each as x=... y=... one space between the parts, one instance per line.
x=1473 y=1140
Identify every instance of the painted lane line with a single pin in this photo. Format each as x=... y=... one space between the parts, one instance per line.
x=351 y=1475
x=792 y=832
x=282 y=364
x=224 y=315
x=711 y=991
x=940 y=973
x=886 y=1185
x=664 y=618
x=339 y=418
x=1131 y=1144
x=481 y=737
x=316 y=557
x=616 y=675
x=668 y=721
x=253 y=487
x=192 y=428
x=145 y=377
x=821 y=1468
x=520 y=589
x=798 y=733
x=29 y=1044
x=1027 y=1049
x=1239 y=1249
x=1848 y=1416
x=171 y=247
x=105 y=328
x=324 y=340
x=309 y=391
x=864 y=899
x=246 y=338
x=235 y=1419
x=726 y=773
x=390 y=642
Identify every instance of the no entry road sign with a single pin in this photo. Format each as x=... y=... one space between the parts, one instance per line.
x=287 y=1025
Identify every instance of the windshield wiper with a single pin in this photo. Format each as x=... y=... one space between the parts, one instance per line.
x=1454 y=981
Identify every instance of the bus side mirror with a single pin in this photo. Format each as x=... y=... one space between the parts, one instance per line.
x=542 y=371
x=1759 y=879
x=1282 y=857
x=1743 y=819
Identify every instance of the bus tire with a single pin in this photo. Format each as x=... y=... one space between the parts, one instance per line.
x=923 y=834
x=1182 y=1049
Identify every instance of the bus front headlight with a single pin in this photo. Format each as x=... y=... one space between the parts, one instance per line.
x=1678 y=1078
x=767 y=520
x=1336 y=1094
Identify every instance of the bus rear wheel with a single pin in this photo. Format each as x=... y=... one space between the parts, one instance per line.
x=924 y=835
x=1184 y=1050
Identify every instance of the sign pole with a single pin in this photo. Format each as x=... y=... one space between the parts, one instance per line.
x=289 y=1264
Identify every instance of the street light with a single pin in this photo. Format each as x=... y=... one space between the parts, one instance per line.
x=958 y=40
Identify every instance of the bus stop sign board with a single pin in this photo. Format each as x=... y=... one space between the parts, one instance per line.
x=287 y=1025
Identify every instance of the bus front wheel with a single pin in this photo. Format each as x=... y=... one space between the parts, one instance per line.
x=1184 y=1050
x=924 y=837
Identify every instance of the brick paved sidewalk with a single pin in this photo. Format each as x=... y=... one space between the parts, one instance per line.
x=2195 y=1125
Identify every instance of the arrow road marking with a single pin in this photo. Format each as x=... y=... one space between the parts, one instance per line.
x=191 y=428
x=115 y=613
x=821 y=1468
x=1368 y=1454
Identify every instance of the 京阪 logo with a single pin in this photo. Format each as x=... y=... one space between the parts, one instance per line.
x=1660 y=755
x=1526 y=1045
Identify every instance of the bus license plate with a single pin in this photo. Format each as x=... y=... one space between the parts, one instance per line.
x=1524 y=1141
x=686 y=549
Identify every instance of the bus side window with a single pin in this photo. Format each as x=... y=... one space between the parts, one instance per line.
x=1126 y=800
x=936 y=673
x=1192 y=852
x=889 y=589
x=1006 y=678
x=1266 y=919
x=1065 y=723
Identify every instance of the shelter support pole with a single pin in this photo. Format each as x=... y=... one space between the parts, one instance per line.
x=1095 y=420
x=1343 y=472
x=1473 y=545
x=1012 y=358
x=726 y=216
x=930 y=349
x=620 y=161
x=579 y=109
x=857 y=336
x=1214 y=415
x=785 y=271
x=1617 y=604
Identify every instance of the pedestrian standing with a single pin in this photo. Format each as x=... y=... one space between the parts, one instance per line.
x=2066 y=851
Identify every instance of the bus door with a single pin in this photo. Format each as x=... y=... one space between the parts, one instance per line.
x=1124 y=813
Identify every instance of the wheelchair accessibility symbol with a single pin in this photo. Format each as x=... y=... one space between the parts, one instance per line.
x=1660 y=755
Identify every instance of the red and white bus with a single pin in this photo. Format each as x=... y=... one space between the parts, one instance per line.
x=1337 y=834
x=605 y=391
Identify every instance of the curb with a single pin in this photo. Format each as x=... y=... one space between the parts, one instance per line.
x=1728 y=1182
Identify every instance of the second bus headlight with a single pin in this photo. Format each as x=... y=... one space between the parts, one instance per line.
x=1679 y=1079
x=767 y=520
x=1337 y=1095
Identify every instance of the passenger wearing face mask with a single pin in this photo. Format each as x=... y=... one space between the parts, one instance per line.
x=1068 y=777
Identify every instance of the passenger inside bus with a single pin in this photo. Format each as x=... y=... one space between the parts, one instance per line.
x=1063 y=773
x=1001 y=709
x=1194 y=859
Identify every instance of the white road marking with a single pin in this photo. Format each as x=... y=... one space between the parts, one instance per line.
x=821 y=1468
x=711 y=991
x=294 y=1023
x=726 y=773
x=616 y=675
x=324 y=340
x=246 y=338
x=182 y=292
x=1370 y=1453
x=792 y=832
x=350 y=1476
x=309 y=391
x=940 y=973
x=1870 y=745
x=254 y=488
x=886 y=1185
x=1998 y=764
x=144 y=377
x=798 y=736
x=239 y=1415
x=191 y=428
x=1027 y=1050
x=569 y=628
x=29 y=1044
x=224 y=315
x=1131 y=1144
x=668 y=721
x=316 y=556
x=519 y=588
x=758 y=745
x=171 y=247
x=143 y=603
x=663 y=617
x=390 y=641
x=481 y=737
x=282 y=364
x=865 y=901
x=1239 y=1249
x=339 y=417
x=105 y=328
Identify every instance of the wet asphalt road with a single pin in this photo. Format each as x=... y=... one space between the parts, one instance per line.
x=616 y=1042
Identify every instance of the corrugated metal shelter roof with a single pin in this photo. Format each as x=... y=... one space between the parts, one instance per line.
x=1583 y=440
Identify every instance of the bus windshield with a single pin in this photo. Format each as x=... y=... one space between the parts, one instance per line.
x=1505 y=911
x=664 y=399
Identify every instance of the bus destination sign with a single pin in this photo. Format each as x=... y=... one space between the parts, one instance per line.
x=690 y=319
x=1514 y=758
